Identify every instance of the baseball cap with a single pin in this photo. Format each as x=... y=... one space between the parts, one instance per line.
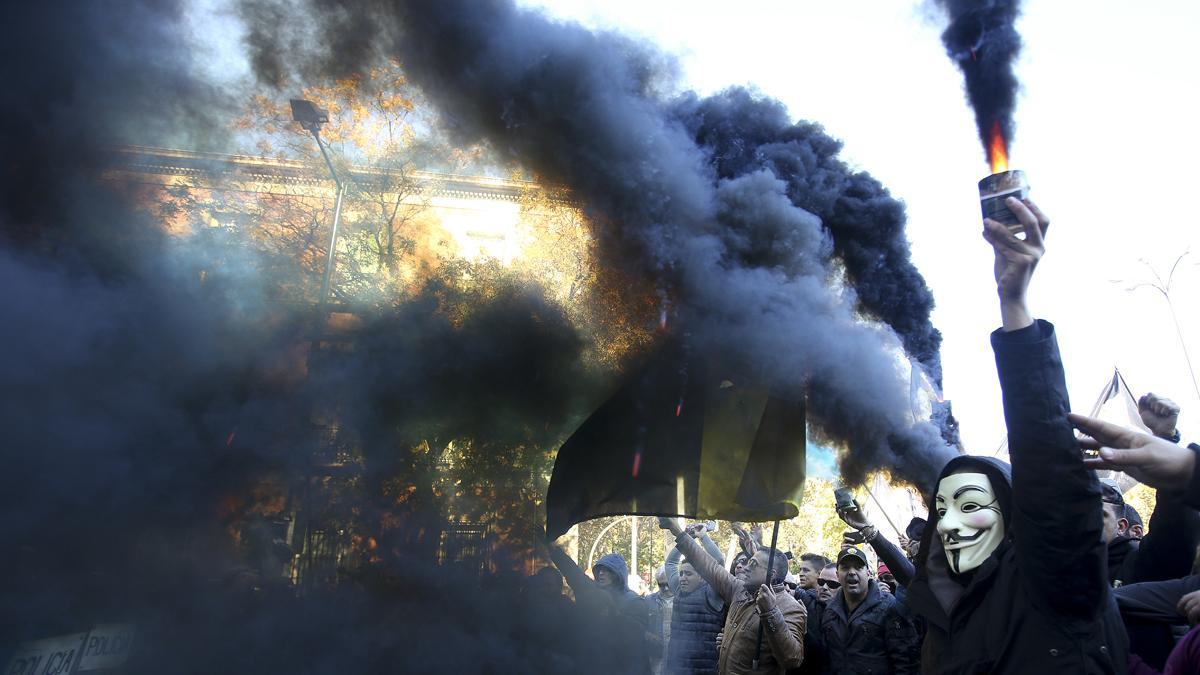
x=852 y=552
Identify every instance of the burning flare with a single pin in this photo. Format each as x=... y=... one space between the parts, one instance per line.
x=997 y=149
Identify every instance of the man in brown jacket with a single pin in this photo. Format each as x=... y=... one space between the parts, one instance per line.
x=751 y=601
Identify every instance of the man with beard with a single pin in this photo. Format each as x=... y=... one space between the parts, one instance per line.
x=759 y=597
x=863 y=630
x=1012 y=572
x=696 y=613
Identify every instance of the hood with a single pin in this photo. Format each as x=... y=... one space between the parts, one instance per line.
x=616 y=564
x=931 y=558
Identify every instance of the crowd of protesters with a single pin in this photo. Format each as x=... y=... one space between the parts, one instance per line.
x=1033 y=566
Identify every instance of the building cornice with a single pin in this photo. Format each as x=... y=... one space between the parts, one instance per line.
x=211 y=168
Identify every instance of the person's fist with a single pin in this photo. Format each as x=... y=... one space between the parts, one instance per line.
x=696 y=529
x=1160 y=415
x=766 y=599
x=1189 y=606
x=670 y=524
x=884 y=587
x=720 y=638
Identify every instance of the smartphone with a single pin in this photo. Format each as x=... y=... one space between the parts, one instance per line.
x=844 y=499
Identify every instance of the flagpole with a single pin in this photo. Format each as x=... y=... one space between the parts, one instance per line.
x=770 y=572
x=882 y=510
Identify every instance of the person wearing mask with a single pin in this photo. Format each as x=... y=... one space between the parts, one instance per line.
x=1011 y=575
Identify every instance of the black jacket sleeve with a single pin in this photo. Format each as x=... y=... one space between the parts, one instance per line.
x=1168 y=550
x=1156 y=600
x=902 y=643
x=1056 y=520
x=891 y=555
x=1192 y=496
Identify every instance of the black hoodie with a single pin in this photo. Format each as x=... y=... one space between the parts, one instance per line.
x=1041 y=602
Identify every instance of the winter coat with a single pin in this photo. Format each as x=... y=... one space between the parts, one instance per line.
x=877 y=638
x=659 y=609
x=692 y=646
x=695 y=622
x=814 y=650
x=1151 y=619
x=1166 y=552
x=1041 y=602
x=621 y=609
x=783 y=630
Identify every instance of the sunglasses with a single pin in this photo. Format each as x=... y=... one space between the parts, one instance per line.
x=830 y=583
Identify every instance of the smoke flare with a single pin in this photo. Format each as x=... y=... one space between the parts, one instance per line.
x=982 y=40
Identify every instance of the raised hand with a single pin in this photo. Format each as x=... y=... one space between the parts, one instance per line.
x=1158 y=463
x=1016 y=259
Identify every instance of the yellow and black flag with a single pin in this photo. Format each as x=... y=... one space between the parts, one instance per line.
x=683 y=437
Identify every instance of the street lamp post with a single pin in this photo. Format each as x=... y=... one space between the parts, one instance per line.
x=311 y=118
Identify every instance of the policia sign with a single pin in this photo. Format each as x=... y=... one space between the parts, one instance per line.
x=105 y=648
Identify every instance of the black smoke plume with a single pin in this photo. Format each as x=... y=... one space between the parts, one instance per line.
x=141 y=389
x=139 y=393
x=982 y=40
x=744 y=218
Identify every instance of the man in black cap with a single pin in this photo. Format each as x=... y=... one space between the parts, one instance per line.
x=863 y=630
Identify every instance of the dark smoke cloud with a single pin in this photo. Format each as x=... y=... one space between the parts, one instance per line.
x=137 y=396
x=743 y=133
x=982 y=40
x=733 y=208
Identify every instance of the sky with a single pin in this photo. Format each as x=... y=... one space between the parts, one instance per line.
x=1105 y=131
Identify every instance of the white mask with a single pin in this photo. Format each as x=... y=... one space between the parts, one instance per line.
x=969 y=520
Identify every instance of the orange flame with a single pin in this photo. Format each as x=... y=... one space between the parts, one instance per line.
x=997 y=150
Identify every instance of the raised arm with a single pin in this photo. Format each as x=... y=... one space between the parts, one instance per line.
x=901 y=567
x=891 y=555
x=711 y=547
x=709 y=569
x=1056 y=520
x=587 y=593
x=672 y=566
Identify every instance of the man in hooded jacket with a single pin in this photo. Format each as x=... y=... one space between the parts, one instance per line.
x=1012 y=576
x=609 y=599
